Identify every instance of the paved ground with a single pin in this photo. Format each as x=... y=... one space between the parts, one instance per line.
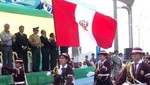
x=84 y=81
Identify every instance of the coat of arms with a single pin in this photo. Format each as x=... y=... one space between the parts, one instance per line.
x=83 y=24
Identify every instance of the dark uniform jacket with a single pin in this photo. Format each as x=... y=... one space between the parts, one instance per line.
x=142 y=74
x=65 y=77
x=102 y=76
x=21 y=40
x=45 y=41
x=18 y=75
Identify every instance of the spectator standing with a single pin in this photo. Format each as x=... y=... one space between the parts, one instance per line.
x=117 y=64
x=21 y=46
x=53 y=51
x=45 y=51
x=35 y=44
x=6 y=46
x=87 y=62
x=93 y=59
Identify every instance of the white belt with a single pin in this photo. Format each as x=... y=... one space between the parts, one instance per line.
x=139 y=84
x=103 y=75
x=21 y=82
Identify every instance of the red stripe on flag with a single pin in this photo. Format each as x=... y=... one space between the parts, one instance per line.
x=104 y=29
x=66 y=28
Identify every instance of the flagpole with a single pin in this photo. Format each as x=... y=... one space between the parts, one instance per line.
x=116 y=46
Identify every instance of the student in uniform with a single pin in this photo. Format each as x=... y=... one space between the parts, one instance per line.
x=103 y=70
x=136 y=72
x=63 y=73
x=18 y=74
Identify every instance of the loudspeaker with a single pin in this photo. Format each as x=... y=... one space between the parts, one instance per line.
x=127 y=53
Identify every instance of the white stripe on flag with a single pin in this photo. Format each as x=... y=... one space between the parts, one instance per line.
x=85 y=35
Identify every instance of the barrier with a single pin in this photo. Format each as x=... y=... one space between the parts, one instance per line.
x=40 y=78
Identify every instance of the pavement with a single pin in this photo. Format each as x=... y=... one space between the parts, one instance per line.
x=84 y=81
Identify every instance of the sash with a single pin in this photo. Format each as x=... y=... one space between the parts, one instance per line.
x=129 y=70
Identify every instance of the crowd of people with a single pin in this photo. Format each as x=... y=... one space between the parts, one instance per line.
x=113 y=69
x=38 y=45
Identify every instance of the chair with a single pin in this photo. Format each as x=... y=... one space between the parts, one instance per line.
x=14 y=57
x=29 y=54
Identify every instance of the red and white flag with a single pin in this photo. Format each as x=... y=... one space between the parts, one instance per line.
x=77 y=25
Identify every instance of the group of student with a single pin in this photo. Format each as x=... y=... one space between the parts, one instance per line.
x=136 y=72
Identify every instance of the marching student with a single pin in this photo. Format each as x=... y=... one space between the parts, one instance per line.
x=103 y=70
x=136 y=72
x=63 y=73
x=18 y=74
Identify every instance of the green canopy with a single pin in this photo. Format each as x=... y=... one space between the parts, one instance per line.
x=13 y=8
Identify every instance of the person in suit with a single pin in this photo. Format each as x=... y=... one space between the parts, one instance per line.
x=18 y=74
x=53 y=51
x=103 y=70
x=45 y=51
x=21 y=45
x=136 y=72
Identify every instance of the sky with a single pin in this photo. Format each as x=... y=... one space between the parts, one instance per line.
x=140 y=20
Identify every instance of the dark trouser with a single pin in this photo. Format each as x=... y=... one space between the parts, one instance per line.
x=23 y=54
x=45 y=61
x=7 y=57
x=107 y=82
x=35 y=59
x=54 y=60
x=63 y=49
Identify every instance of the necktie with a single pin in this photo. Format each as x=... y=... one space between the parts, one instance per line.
x=135 y=67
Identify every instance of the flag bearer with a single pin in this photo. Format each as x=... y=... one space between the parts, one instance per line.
x=63 y=74
x=103 y=70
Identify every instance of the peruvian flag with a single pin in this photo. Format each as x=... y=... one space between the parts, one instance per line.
x=81 y=25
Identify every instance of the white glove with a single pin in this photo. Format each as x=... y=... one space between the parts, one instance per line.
x=90 y=74
x=59 y=71
x=105 y=68
x=1 y=65
x=48 y=73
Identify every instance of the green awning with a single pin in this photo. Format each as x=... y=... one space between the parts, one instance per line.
x=12 y=8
